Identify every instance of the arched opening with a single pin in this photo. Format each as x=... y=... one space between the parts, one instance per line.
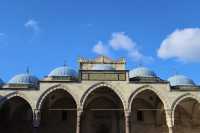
x=187 y=116
x=103 y=112
x=16 y=116
x=58 y=113
x=147 y=113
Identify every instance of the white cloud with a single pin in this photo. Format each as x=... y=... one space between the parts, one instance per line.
x=183 y=45
x=100 y=49
x=33 y=25
x=120 y=41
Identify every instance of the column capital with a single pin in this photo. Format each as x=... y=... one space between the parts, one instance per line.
x=36 y=110
x=79 y=112
x=127 y=113
x=168 y=111
x=36 y=118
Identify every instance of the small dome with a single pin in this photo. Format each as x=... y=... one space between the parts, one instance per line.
x=63 y=71
x=103 y=67
x=24 y=79
x=180 y=80
x=142 y=72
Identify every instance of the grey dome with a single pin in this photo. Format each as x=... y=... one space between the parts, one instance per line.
x=103 y=67
x=63 y=71
x=180 y=80
x=24 y=79
x=141 y=72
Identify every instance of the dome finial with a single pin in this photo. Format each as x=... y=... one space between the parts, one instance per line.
x=65 y=63
x=27 y=70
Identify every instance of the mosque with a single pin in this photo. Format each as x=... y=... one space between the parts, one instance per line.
x=101 y=97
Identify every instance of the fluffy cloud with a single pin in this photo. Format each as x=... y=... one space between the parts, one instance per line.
x=183 y=45
x=100 y=49
x=33 y=25
x=121 y=41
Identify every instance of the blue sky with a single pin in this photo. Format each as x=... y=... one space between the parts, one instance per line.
x=161 y=34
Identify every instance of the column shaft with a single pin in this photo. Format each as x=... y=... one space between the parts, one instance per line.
x=170 y=129
x=36 y=120
x=78 y=121
x=169 y=120
x=127 y=121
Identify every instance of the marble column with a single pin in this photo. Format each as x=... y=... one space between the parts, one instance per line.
x=36 y=120
x=78 y=121
x=127 y=121
x=170 y=129
x=169 y=120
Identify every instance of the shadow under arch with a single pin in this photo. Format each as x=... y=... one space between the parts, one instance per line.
x=101 y=85
x=16 y=114
x=146 y=88
x=58 y=111
x=52 y=89
x=147 y=107
x=179 y=100
x=14 y=94
x=103 y=110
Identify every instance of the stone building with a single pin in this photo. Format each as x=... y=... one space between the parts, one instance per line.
x=102 y=97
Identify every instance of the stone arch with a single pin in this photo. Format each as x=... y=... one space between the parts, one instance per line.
x=54 y=88
x=179 y=99
x=17 y=94
x=16 y=113
x=144 y=88
x=103 y=107
x=102 y=84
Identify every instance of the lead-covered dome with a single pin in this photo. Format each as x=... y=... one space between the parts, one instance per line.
x=103 y=67
x=180 y=80
x=24 y=79
x=63 y=71
x=141 y=72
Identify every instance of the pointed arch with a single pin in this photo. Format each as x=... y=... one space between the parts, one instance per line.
x=145 y=88
x=102 y=84
x=52 y=89
x=179 y=99
x=16 y=94
x=148 y=105
x=103 y=105
x=16 y=112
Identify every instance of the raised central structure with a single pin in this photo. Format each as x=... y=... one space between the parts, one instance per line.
x=101 y=97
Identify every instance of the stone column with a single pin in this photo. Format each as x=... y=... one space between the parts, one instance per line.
x=78 y=121
x=169 y=120
x=36 y=120
x=127 y=121
x=170 y=129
